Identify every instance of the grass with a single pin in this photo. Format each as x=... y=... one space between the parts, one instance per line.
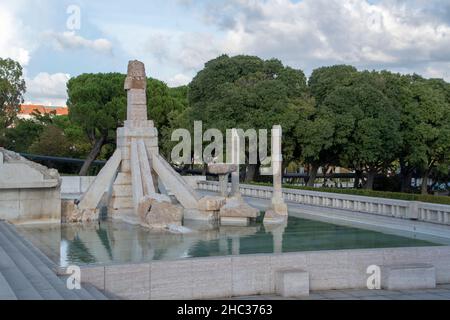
x=372 y=193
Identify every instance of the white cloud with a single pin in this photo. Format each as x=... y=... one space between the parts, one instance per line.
x=47 y=89
x=70 y=40
x=178 y=80
x=315 y=32
x=12 y=42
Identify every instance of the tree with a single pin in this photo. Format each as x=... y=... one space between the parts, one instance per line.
x=367 y=115
x=12 y=88
x=247 y=92
x=431 y=149
x=51 y=142
x=97 y=103
x=323 y=137
x=20 y=137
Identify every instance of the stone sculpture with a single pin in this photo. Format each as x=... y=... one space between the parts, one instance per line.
x=136 y=179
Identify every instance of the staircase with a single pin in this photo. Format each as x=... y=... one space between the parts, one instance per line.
x=27 y=274
x=122 y=197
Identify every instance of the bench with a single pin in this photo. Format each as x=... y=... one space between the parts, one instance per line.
x=408 y=277
x=292 y=283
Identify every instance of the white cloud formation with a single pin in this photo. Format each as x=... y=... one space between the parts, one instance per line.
x=47 y=89
x=71 y=40
x=404 y=36
x=12 y=40
x=178 y=80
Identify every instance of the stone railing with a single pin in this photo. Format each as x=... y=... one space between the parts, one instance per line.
x=428 y=212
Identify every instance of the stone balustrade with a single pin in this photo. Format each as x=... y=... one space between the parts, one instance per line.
x=427 y=212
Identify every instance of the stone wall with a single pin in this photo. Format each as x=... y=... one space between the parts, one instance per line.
x=222 y=277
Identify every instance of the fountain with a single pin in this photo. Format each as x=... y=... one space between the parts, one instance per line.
x=136 y=179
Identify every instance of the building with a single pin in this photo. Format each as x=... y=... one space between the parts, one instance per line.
x=27 y=110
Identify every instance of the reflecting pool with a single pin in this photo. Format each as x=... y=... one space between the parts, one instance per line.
x=109 y=241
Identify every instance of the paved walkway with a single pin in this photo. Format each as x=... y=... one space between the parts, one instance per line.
x=442 y=292
x=27 y=274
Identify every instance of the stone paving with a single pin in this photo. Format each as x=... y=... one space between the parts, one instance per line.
x=442 y=292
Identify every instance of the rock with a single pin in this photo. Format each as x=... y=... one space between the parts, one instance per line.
x=163 y=214
x=211 y=203
x=237 y=208
x=70 y=213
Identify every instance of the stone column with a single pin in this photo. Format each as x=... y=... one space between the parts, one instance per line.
x=277 y=212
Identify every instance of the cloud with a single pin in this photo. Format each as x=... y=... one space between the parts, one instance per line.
x=178 y=80
x=47 y=89
x=12 y=40
x=70 y=40
x=310 y=33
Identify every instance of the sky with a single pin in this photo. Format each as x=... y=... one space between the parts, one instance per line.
x=58 y=39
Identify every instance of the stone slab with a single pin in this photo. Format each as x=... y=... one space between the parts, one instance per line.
x=408 y=277
x=292 y=283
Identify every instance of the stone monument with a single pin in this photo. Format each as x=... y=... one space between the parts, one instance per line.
x=136 y=180
x=29 y=192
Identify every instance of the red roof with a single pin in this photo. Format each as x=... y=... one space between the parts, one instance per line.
x=28 y=109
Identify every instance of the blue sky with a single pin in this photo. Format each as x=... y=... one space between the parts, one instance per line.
x=176 y=37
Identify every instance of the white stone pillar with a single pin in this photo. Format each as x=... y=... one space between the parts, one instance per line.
x=277 y=212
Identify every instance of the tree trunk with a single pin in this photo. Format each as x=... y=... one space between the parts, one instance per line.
x=406 y=181
x=370 y=179
x=312 y=175
x=252 y=172
x=424 y=187
x=358 y=176
x=92 y=156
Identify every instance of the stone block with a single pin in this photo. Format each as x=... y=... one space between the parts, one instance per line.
x=94 y=276
x=122 y=202
x=122 y=190
x=9 y=195
x=171 y=280
x=236 y=207
x=234 y=221
x=211 y=203
x=252 y=275
x=163 y=214
x=128 y=281
x=292 y=283
x=408 y=277
x=123 y=179
x=212 y=278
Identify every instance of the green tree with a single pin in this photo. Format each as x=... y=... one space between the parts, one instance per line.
x=375 y=137
x=323 y=137
x=20 y=137
x=247 y=92
x=12 y=88
x=97 y=103
x=431 y=116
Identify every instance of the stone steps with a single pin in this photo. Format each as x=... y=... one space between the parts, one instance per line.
x=26 y=273
x=6 y=293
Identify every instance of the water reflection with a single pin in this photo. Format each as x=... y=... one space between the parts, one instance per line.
x=118 y=242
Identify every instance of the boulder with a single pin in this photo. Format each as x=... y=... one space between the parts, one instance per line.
x=236 y=207
x=211 y=203
x=163 y=214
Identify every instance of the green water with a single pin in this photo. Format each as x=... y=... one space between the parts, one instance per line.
x=116 y=242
